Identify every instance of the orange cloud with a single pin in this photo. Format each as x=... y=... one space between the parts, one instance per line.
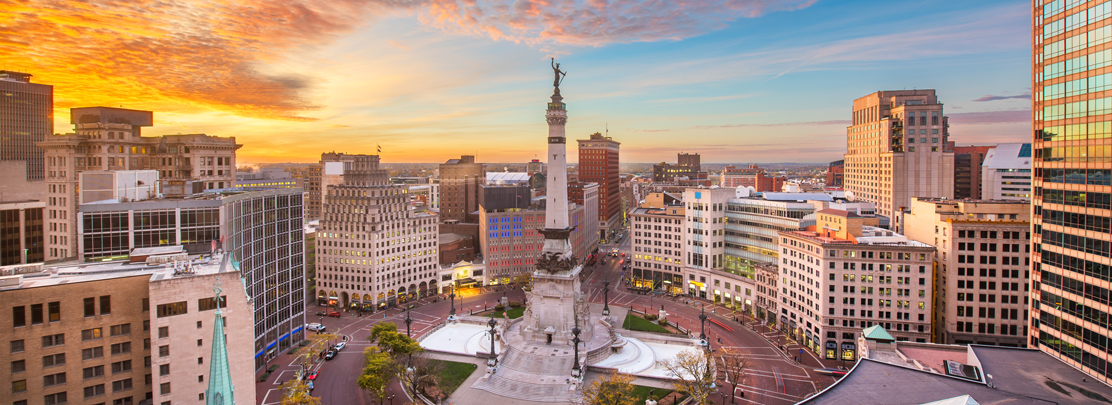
x=172 y=55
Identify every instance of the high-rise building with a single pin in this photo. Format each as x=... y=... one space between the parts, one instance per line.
x=21 y=236
x=1072 y=132
x=26 y=118
x=373 y=249
x=981 y=276
x=897 y=149
x=329 y=171
x=460 y=182
x=1006 y=173
x=598 y=163
x=262 y=230
x=836 y=174
x=848 y=275
x=109 y=139
x=967 y=170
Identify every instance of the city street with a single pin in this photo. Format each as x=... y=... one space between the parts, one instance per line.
x=774 y=377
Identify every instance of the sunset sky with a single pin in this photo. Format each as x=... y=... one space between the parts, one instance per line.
x=428 y=80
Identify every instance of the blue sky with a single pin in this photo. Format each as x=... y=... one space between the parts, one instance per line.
x=737 y=81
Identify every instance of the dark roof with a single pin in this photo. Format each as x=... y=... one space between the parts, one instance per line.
x=1019 y=376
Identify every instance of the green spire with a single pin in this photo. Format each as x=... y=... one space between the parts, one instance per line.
x=220 y=387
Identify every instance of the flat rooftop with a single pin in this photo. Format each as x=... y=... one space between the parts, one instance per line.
x=80 y=273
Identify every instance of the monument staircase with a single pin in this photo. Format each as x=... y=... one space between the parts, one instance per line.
x=533 y=373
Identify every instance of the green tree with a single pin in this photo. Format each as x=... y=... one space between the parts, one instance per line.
x=615 y=389
x=378 y=370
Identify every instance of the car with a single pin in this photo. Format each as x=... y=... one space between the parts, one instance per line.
x=322 y=313
x=623 y=254
x=313 y=376
x=315 y=327
x=334 y=314
x=340 y=346
x=311 y=386
x=330 y=355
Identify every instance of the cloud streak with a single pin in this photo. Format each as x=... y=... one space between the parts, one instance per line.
x=994 y=98
x=596 y=22
x=990 y=117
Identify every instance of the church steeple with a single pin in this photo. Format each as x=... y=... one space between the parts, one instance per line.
x=220 y=389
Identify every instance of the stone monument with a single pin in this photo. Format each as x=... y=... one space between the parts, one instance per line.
x=556 y=303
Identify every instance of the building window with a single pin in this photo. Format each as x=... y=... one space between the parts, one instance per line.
x=52 y=360
x=19 y=386
x=19 y=316
x=121 y=385
x=19 y=366
x=106 y=305
x=55 y=399
x=92 y=353
x=53 y=379
x=55 y=311
x=164 y=389
x=90 y=334
x=163 y=332
x=94 y=391
x=90 y=307
x=53 y=340
x=93 y=372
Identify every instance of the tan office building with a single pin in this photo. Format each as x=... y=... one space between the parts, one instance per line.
x=897 y=150
x=121 y=333
x=846 y=275
x=108 y=139
x=982 y=279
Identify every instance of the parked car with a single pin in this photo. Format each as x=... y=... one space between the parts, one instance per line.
x=340 y=346
x=330 y=355
x=334 y=314
x=322 y=313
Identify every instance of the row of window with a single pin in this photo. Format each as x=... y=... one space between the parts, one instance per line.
x=1096 y=177
x=1074 y=132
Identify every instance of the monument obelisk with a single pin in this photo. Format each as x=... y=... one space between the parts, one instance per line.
x=556 y=303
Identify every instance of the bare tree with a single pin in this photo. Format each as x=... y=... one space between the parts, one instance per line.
x=694 y=374
x=614 y=389
x=422 y=372
x=735 y=364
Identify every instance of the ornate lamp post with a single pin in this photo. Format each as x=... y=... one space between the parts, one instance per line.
x=575 y=372
x=606 y=298
x=408 y=321
x=452 y=296
x=703 y=326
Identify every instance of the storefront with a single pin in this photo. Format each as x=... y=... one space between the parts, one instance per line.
x=849 y=351
x=831 y=350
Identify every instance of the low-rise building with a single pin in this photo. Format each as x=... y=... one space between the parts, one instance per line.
x=845 y=275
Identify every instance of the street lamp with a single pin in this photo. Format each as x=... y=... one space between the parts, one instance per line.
x=452 y=296
x=606 y=298
x=408 y=321
x=703 y=325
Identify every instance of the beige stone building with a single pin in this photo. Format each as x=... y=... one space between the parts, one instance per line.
x=108 y=139
x=845 y=275
x=897 y=150
x=372 y=249
x=767 y=306
x=657 y=229
x=122 y=333
x=982 y=272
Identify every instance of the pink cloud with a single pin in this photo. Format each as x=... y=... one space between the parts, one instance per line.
x=595 y=22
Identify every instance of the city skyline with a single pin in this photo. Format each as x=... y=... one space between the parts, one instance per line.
x=753 y=81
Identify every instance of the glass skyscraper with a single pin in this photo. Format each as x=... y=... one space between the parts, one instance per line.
x=1071 y=122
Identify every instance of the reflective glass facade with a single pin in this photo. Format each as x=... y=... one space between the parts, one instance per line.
x=1072 y=123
